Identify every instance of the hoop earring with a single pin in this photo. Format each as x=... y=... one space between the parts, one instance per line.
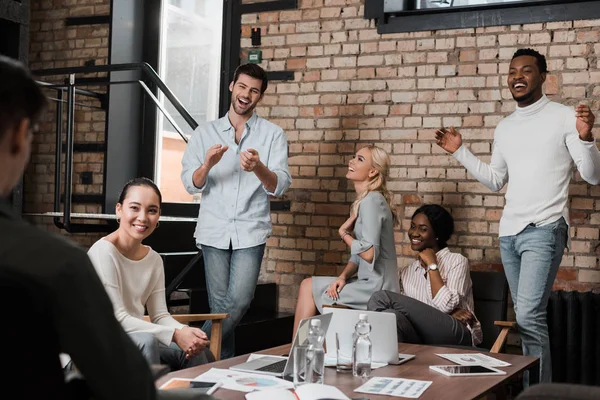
x=157 y=224
x=118 y=220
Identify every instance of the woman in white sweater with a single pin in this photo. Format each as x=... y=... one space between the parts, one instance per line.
x=134 y=278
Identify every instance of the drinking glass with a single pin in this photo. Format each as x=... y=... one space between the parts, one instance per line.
x=344 y=360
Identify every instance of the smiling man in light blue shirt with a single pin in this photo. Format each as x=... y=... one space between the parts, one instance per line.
x=236 y=162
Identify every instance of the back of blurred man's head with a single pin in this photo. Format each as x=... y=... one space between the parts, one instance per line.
x=21 y=106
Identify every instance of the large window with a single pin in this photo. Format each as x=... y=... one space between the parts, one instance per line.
x=190 y=62
x=423 y=4
x=394 y=16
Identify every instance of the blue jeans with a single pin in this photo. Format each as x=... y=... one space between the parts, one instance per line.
x=531 y=259
x=231 y=277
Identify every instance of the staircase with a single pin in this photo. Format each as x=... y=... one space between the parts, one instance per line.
x=174 y=240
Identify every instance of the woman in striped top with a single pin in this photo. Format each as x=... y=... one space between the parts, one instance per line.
x=436 y=306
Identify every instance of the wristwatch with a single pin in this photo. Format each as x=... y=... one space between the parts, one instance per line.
x=432 y=267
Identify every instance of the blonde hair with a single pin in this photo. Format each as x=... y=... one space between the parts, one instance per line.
x=378 y=183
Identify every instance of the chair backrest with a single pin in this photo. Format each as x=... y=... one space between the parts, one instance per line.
x=490 y=294
x=30 y=342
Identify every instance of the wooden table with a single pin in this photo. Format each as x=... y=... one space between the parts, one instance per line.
x=443 y=387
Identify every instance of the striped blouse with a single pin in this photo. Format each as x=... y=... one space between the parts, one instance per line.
x=457 y=291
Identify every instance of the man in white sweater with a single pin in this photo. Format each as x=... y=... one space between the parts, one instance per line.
x=536 y=147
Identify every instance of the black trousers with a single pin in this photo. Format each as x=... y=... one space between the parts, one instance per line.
x=420 y=323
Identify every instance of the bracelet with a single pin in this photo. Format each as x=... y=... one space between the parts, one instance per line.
x=344 y=235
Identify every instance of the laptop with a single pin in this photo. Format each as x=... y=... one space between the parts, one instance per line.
x=283 y=366
x=384 y=337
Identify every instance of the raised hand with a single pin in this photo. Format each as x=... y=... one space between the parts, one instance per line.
x=214 y=155
x=585 y=122
x=249 y=159
x=427 y=257
x=348 y=226
x=448 y=139
x=336 y=287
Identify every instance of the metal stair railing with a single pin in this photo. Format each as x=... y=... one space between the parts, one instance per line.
x=69 y=87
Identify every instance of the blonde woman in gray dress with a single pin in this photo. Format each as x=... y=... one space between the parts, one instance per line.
x=369 y=232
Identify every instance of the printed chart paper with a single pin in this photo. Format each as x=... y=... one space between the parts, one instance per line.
x=242 y=381
x=397 y=387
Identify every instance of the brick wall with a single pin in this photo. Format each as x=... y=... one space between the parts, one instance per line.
x=354 y=87
x=54 y=45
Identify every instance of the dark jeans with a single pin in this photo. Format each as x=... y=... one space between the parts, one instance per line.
x=420 y=323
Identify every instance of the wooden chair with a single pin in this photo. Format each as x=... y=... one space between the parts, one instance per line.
x=216 y=332
x=490 y=294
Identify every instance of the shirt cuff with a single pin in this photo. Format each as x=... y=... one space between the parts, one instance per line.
x=460 y=153
x=442 y=299
x=359 y=246
x=165 y=336
x=587 y=144
x=281 y=185
x=188 y=181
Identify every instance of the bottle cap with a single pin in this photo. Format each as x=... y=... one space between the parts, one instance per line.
x=315 y=322
x=363 y=317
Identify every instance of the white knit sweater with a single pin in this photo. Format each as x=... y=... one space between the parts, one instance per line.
x=534 y=150
x=133 y=286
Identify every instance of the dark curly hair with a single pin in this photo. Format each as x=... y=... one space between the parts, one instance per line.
x=441 y=221
x=541 y=60
x=253 y=71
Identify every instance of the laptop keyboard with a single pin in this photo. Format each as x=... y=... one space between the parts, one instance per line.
x=279 y=366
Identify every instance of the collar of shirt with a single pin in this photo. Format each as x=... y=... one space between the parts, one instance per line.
x=224 y=124
x=439 y=255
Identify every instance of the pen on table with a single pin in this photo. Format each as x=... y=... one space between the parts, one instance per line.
x=214 y=388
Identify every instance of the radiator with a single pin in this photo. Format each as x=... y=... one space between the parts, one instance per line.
x=574 y=326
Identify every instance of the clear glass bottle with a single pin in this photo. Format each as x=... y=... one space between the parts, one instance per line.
x=361 y=350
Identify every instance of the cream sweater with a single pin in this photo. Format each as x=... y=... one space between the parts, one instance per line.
x=133 y=286
x=534 y=150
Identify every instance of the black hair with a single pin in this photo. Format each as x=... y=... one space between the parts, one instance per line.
x=254 y=71
x=541 y=60
x=140 y=182
x=20 y=97
x=441 y=221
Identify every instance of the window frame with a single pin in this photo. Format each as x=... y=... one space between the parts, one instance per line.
x=230 y=58
x=479 y=16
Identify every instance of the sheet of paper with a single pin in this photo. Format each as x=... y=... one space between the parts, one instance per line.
x=309 y=391
x=332 y=361
x=315 y=391
x=474 y=359
x=396 y=387
x=243 y=381
x=274 y=394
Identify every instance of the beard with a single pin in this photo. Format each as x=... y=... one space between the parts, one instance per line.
x=528 y=97
x=241 y=111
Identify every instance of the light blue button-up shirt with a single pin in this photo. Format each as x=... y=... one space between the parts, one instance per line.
x=235 y=205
